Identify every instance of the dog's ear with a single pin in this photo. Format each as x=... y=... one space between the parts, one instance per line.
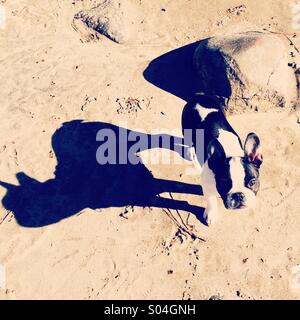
x=215 y=153
x=253 y=150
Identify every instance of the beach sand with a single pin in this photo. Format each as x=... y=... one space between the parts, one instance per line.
x=49 y=77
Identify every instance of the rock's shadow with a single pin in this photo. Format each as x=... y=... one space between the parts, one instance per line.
x=81 y=182
x=173 y=72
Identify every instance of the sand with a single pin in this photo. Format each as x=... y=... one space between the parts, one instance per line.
x=48 y=77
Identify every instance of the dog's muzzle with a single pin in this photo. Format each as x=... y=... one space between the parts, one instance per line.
x=235 y=200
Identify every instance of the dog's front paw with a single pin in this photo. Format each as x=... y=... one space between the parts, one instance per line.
x=189 y=153
x=210 y=216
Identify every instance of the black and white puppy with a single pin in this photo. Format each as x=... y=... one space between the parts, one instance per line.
x=229 y=169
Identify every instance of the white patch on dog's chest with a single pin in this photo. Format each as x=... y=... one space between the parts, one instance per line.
x=230 y=144
x=204 y=112
x=208 y=181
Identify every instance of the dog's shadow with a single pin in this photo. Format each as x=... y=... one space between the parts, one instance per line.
x=81 y=182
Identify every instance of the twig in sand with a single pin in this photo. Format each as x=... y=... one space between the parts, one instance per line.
x=183 y=228
x=8 y=213
x=179 y=213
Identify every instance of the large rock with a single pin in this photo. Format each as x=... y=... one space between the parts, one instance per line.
x=255 y=70
x=114 y=19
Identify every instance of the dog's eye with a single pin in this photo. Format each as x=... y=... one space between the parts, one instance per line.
x=252 y=183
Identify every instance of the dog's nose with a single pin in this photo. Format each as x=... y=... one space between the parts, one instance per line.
x=236 y=200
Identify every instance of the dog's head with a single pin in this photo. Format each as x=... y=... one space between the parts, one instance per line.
x=237 y=178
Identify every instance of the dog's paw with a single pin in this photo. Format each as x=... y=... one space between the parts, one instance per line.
x=189 y=153
x=210 y=216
